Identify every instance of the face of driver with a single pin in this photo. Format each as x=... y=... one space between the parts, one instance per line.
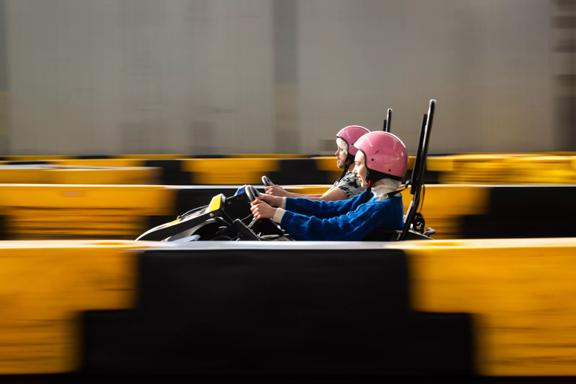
x=341 y=153
x=360 y=168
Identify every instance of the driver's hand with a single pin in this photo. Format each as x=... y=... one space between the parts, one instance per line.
x=274 y=201
x=261 y=210
x=276 y=190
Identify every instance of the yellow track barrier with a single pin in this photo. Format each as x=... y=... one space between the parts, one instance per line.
x=443 y=205
x=153 y=156
x=43 y=287
x=70 y=175
x=80 y=211
x=515 y=168
x=128 y=162
x=328 y=164
x=520 y=292
x=308 y=189
x=22 y=175
x=119 y=175
x=230 y=171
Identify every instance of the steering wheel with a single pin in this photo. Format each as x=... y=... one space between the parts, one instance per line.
x=266 y=181
x=251 y=192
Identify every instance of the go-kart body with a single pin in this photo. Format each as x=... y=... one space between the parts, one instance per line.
x=224 y=218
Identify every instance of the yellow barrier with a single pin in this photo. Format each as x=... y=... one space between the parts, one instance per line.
x=486 y=168
x=308 y=189
x=153 y=156
x=43 y=287
x=515 y=168
x=120 y=211
x=9 y=174
x=119 y=175
x=542 y=169
x=80 y=211
x=328 y=164
x=128 y=162
x=229 y=171
x=65 y=175
x=520 y=292
x=444 y=205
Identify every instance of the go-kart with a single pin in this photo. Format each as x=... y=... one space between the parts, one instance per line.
x=224 y=218
x=230 y=218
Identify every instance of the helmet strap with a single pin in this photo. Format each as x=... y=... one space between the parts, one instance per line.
x=375 y=176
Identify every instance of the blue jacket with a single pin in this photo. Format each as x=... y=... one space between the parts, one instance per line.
x=351 y=219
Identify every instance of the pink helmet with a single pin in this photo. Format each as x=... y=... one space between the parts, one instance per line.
x=385 y=153
x=350 y=135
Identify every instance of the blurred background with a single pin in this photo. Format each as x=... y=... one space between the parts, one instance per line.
x=119 y=115
x=201 y=77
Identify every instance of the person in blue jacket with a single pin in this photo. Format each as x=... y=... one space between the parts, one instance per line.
x=379 y=164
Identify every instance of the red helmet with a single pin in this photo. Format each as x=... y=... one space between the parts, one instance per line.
x=350 y=135
x=384 y=153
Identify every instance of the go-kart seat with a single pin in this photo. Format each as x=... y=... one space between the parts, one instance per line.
x=414 y=224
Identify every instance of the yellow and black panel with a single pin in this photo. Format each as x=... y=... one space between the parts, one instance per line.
x=300 y=171
x=152 y=156
x=270 y=311
x=229 y=171
x=124 y=211
x=173 y=172
x=519 y=292
x=100 y=162
x=33 y=173
x=444 y=206
x=492 y=308
x=112 y=175
x=82 y=211
x=44 y=285
x=502 y=168
x=523 y=211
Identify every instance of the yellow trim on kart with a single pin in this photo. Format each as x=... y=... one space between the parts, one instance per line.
x=215 y=203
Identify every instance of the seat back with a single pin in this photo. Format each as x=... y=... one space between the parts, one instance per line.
x=413 y=216
x=387 y=120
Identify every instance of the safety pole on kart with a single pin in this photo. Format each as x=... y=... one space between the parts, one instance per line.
x=387 y=120
x=416 y=179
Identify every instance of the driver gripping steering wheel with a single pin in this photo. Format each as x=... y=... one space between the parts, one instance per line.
x=379 y=164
